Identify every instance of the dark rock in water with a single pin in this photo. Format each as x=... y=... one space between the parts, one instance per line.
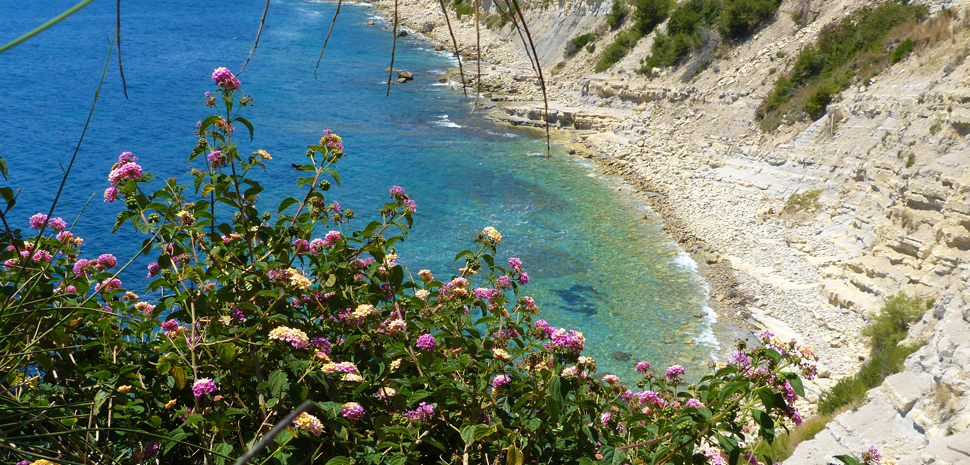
x=578 y=297
x=670 y=340
x=402 y=34
x=406 y=75
x=427 y=27
x=439 y=47
x=400 y=80
x=621 y=356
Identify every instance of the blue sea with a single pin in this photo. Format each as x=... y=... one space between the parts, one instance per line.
x=598 y=258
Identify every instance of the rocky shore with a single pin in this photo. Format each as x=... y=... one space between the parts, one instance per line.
x=888 y=161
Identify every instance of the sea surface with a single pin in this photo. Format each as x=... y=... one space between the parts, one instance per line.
x=598 y=259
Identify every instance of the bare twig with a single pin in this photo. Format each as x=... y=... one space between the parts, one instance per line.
x=454 y=42
x=339 y=2
x=124 y=85
x=259 y=446
x=390 y=71
x=258 y=33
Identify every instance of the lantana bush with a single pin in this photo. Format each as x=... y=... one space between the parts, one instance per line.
x=256 y=312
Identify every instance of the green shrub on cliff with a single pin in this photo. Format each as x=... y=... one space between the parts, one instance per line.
x=739 y=18
x=883 y=334
x=617 y=14
x=850 y=51
x=577 y=43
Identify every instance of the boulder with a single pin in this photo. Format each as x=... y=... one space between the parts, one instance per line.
x=370 y=23
x=406 y=75
x=402 y=34
x=427 y=27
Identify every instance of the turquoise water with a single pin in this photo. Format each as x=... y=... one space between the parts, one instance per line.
x=597 y=264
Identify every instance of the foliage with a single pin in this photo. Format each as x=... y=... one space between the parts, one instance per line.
x=785 y=443
x=263 y=311
x=846 y=52
x=591 y=48
x=617 y=14
x=650 y=13
x=886 y=356
x=905 y=48
x=804 y=202
x=910 y=160
x=462 y=9
x=615 y=52
x=577 y=43
x=740 y=18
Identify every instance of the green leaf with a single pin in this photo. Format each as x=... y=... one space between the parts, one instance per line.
x=164 y=365
x=248 y=125
x=847 y=459
x=796 y=384
x=333 y=174
x=468 y=434
x=612 y=456
x=69 y=422
x=555 y=389
x=208 y=122
x=224 y=449
x=767 y=424
x=482 y=431
x=8 y=196
x=515 y=456
x=180 y=377
x=341 y=460
x=3 y=167
x=120 y=220
x=277 y=382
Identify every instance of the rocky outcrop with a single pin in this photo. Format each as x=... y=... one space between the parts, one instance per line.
x=921 y=415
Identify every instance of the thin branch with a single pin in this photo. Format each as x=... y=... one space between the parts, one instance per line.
x=124 y=85
x=262 y=22
x=339 y=2
x=444 y=11
x=390 y=71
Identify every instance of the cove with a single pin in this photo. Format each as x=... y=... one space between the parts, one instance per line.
x=599 y=260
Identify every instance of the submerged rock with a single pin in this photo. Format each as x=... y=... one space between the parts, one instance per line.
x=621 y=356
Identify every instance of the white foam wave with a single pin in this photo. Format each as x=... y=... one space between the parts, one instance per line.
x=683 y=260
x=444 y=122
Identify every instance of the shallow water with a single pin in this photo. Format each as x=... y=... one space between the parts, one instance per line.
x=598 y=259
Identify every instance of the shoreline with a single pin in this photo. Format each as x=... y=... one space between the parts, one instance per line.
x=725 y=297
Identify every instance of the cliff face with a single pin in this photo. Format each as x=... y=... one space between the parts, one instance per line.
x=890 y=160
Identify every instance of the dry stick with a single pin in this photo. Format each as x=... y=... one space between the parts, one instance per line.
x=390 y=71
x=444 y=11
x=478 y=53
x=339 y=2
x=958 y=450
x=258 y=33
x=124 y=86
x=542 y=80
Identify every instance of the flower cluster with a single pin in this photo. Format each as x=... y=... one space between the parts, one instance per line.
x=225 y=79
x=352 y=411
x=426 y=342
x=203 y=386
x=309 y=423
x=125 y=169
x=424 y=412
x=491 y=236
x=294 y=336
